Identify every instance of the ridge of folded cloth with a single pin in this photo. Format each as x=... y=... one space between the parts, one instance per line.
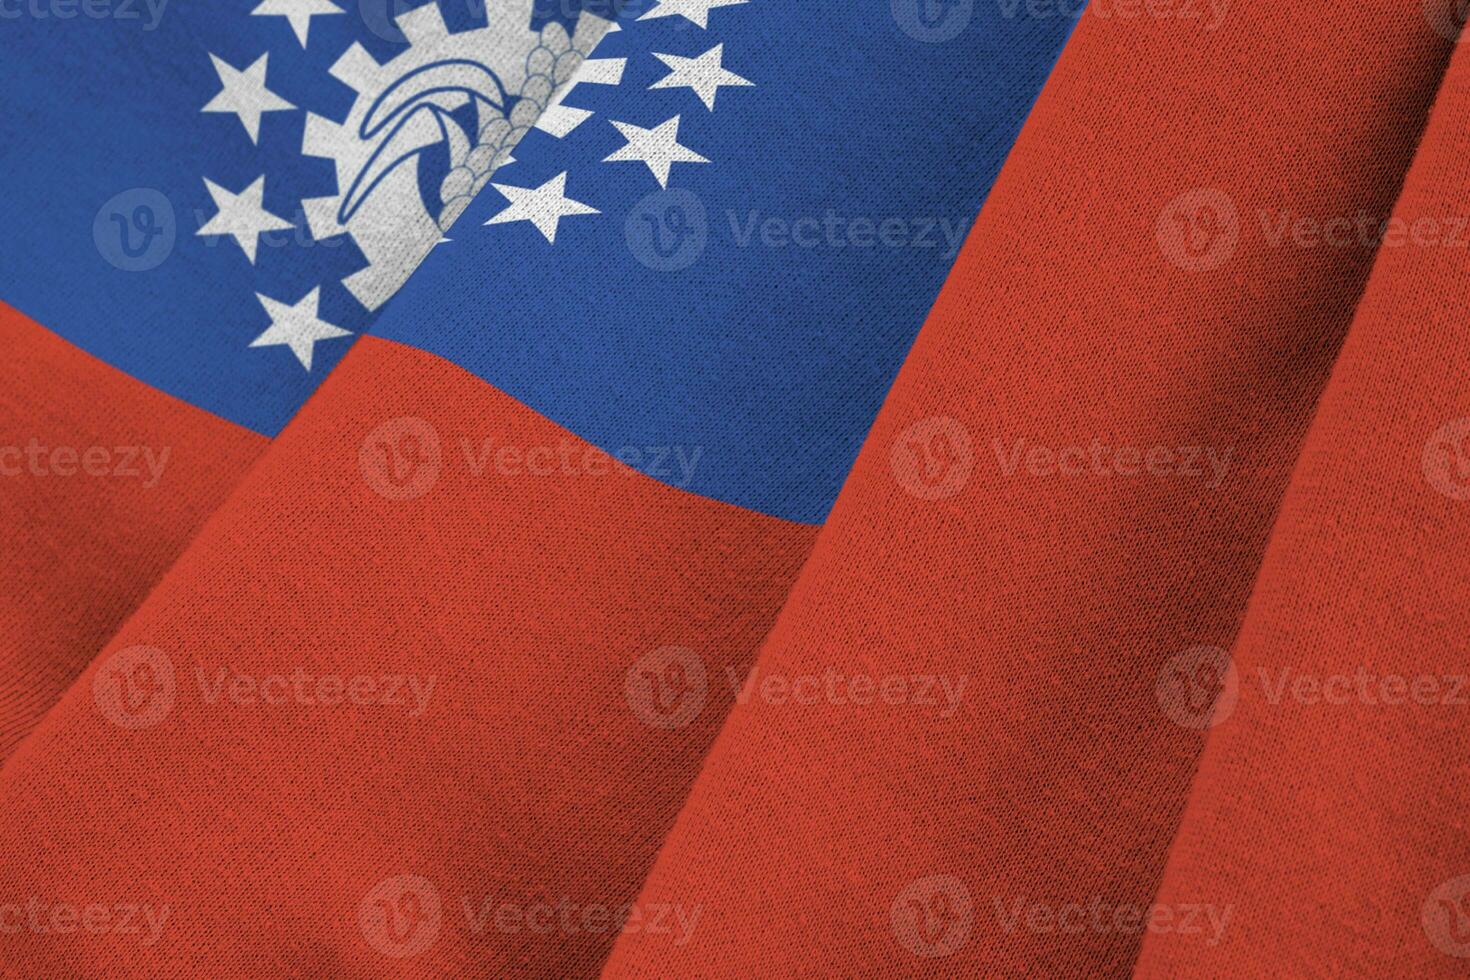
x=489 y=730
x=520 y=651
x=187 y=354
x=443 y=668
x=1328 y=819
x=966 y=740
x=104 y=482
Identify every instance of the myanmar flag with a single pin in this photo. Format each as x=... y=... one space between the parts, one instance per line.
x=734 y=488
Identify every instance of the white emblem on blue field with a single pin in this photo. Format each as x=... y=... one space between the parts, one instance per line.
x=513 y=79
x=470 y=96
x=298 y=13
x=704 y=75
x=543 y=206
x=658 y=148
x=694 y=11
x=297 y=326
x=242 y=216
x=245 y=94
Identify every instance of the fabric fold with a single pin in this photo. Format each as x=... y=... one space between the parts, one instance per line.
x=966 y=744
x=182 y=296
x=1328 y=816
x=425 y=694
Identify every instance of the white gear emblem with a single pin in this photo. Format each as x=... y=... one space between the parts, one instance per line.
x=514 y=76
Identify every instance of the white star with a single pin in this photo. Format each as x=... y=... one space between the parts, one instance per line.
x=694 y=11
x=245 y=94
x=242 y=216
x=298 y=12
x=705 y=74
x=658 y=147
x=297 y=327
x=543 y=206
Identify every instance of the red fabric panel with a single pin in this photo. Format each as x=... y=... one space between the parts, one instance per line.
x=1035 y=518
x=1331 y=813
x=103 y=480
x=534 y=750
